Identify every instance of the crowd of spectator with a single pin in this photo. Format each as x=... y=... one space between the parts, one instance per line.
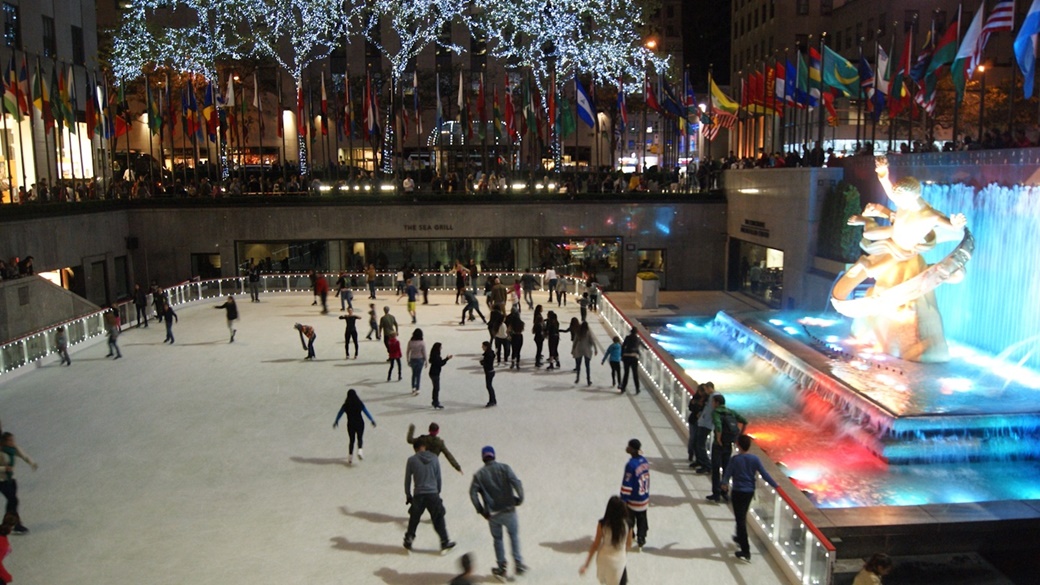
x=16 y=268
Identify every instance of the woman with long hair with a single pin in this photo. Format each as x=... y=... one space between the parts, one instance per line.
x=583 y=348
x=354 y=408
x=613 y=539
x=436 y=363
x=516 y=336
x=552 y=332
x=876 y=567
x=416 y=356
x=538 y=329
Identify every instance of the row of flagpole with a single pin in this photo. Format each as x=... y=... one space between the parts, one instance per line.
x=899 y=84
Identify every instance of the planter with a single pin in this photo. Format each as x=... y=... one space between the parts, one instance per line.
x=646 y=293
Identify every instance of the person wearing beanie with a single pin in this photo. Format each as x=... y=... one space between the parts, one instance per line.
x=496 y=492
x=635 y=489
x=434 y=444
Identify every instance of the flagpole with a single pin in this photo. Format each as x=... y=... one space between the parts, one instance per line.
x=860 y=94
x=151 y=153
x=876 y=115
x=710 y=112
x=279 y=120
x=956 y=102
x=821 y=105
x=7 y=154
x=21 y=138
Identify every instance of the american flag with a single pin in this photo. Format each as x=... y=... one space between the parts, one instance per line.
x=1001 y=19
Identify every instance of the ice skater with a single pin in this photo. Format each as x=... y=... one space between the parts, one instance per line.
x=354 y=408
x=61 y=345
x=112 y=328
x=231 y=310
x=350 y=333
x=8 y=486
x=169 y=316
x=416 y=356
x=373 y=325
x=611 y=544
x=496 y=492
x=613 y=355
x=436 y=363
x=307 y=337
x=487 y=361
x=424 y=471
x=393 y=350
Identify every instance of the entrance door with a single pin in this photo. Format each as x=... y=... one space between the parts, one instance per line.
x=205 y=266
x=654 y=260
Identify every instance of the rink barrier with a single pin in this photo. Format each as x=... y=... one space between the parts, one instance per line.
x=801 y=549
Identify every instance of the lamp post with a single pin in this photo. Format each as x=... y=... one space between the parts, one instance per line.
x=651 y=45
x=982 y=97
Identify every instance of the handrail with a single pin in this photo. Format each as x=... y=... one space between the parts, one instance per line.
x=805 y=520
x=664 y=362
x=805 y=563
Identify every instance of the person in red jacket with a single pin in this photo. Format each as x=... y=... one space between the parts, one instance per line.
x=393 y=348
x=5 y=546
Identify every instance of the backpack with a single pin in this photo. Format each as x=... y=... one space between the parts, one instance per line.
x=730 y=427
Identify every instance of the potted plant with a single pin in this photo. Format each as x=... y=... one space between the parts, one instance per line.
x=647 y=286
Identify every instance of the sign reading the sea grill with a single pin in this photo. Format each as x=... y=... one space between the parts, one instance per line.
x=755 y=228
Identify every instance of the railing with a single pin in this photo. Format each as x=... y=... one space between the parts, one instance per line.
x=37 y=345
x=807 y=555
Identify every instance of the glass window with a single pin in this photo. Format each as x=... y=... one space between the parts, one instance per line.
x=803 y=7
x=826 y=7
x=50 y=41
x=12 y=30
x=78 y=52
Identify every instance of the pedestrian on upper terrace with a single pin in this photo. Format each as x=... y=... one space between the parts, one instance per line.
x=728 y=425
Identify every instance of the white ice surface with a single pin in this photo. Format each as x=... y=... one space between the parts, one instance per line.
x=214 y=463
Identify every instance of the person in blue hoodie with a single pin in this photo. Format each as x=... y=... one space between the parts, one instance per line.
x=742 y=469
x=424 y=470
x=613 y=355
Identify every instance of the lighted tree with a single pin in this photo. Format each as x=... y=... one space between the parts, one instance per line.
x=298 y=33
x=185 y=35
x=558 y=38
x=414 y=25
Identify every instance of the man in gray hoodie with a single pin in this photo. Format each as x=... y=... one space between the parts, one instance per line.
x=496 y=492
x=425 y=469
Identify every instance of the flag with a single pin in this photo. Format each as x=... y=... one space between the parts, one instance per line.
x=840 y=74
x=968 y=55
x=42 y=100
x=348 y=108
x=481 y=109
x=690 y=102
x=68 y=100
x=90 y=108
x=622 y=110
x=324 y=108
x=528 y=110
x=790 y=82
x=496 y=116
x=721 y=101
x=650 y=98
x=56 y=105
x=11 y=91
x=154 y=113
x=780 y=86
x=586 y=112
x=551 y=106
x=415 y=103
x=194 y=122
x=815 y=76
x=898 y=93
x=209 y=112
x=24 y=95
x=107 y=131
x=463 y=122
x=945 y=51
x=510 y=113
x=670 y=99
x=229 y=107
x=120 y=112
x=440 y=107
x=566 y=124
x=371 y=111
x=301 y=118
x=1025 y=47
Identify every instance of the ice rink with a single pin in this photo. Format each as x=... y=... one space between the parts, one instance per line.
x=206 y=462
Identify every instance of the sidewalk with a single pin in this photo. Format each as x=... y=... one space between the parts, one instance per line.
x=210 y=462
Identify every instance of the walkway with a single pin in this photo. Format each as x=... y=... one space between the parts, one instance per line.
x=215 y=463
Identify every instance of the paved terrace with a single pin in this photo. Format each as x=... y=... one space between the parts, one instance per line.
x=208 y=462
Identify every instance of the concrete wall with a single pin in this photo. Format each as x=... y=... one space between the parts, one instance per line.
x=694 y=234
x=780 y=209
x=29 y=304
